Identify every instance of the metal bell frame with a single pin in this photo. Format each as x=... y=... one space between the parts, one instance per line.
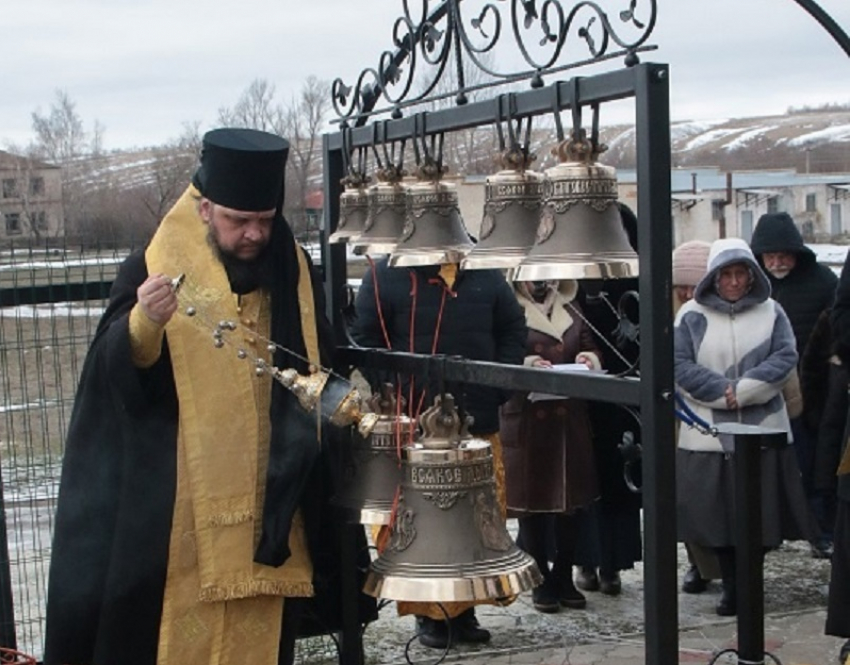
x=648 y=85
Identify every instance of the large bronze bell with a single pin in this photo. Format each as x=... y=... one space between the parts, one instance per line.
x=385 y=218
x=580 y=234
x=448 y=540
x=434 y=232
x=512 y=200
x=353 y=209
x=372 y=471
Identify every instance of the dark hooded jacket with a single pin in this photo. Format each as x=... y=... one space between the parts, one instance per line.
x=808 y=289
x=479 y=319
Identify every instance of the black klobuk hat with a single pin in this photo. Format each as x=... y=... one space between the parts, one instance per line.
x=242 y=169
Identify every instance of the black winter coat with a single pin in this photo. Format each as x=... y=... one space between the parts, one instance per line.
x=600 y=300
x=481 y=320
x=808 y=289
x=841 y=337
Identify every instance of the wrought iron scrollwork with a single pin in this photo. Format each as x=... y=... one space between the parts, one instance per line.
x=426 y=42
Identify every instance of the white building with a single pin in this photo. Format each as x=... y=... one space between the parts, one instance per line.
x=30 y=198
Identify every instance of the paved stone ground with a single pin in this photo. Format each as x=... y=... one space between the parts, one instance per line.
x=610 y=630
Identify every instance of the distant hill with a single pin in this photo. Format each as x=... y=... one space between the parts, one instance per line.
x=814 y=141
x=817 y=141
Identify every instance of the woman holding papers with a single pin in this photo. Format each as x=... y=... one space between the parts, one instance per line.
x=547 y=441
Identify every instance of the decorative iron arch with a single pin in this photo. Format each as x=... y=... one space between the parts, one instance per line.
x=431 y=41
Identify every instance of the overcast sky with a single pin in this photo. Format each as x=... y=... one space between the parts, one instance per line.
x=143 y=68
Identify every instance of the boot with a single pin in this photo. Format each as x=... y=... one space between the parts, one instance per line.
x=545 y=597
x=844 y=654
x=465 y=628
x=566 y=535
x=586 y=579
x=610 y=583
x=433 y=634
x=693 y=582
x=568 y=595
x=532 y=534
x=728 y=605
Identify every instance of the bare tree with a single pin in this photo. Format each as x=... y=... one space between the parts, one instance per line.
x=301 y=121
x=172 y=167
x=61 y=139
x=304 y=120
x=256 y=108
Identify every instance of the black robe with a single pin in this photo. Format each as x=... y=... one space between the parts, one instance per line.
x=113 y=521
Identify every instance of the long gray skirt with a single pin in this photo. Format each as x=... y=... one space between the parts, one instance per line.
x=705 y=503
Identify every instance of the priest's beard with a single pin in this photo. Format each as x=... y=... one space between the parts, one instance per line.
x=244 y=275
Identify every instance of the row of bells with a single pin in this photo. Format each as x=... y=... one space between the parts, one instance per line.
x=564 y=223
x=433 y=485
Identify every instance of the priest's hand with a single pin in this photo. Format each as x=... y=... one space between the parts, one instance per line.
x=157 y=298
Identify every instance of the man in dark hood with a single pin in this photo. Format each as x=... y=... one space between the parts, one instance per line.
x=799 y=283
x=805 y=289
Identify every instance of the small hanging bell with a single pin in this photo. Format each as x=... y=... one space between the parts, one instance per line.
x=433 y=232
x=353 y=209
x=386 y=209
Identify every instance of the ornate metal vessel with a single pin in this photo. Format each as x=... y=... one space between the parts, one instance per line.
x=336 y=398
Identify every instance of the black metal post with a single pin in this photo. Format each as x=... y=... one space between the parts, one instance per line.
x=333 y=255
x=8 y=636
x=351 y=640
x=749 y=551
x=333 y=265
x=748 y=548
x=655 y=239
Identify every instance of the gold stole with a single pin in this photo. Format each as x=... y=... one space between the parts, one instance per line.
x=220 y=607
